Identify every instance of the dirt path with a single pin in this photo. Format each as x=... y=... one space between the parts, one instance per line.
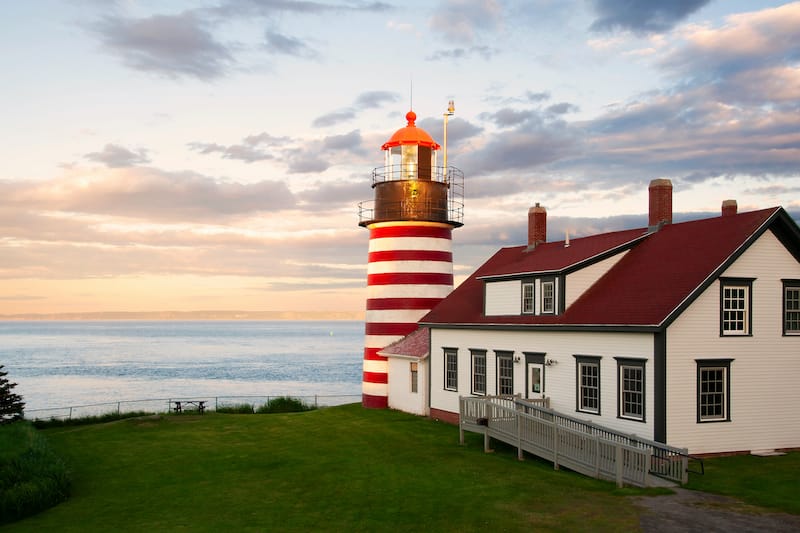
x=689 y=510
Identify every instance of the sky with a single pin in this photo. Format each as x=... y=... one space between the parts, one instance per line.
x=200 y=155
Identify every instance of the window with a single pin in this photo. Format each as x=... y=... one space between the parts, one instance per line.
x=713 y=390
x=478 y=371
x=505 y=372
x=735 y=308
x=527 y=298
x=414 y=377
x=588 y=383
x=548 y=297
x=630 y=387
x=791 y=307
x=451 y=369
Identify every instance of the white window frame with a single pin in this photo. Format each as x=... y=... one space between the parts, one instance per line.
x=505 y=381
x=713 y=390
x=549 y=285
x=631 y=389
x=528 y=298
x=588 y=367
x=478 y=356
x=791 y=307
x=736 y=304
x=451 y=369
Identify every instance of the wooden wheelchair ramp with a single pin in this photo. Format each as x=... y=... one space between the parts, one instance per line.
x=587 y=448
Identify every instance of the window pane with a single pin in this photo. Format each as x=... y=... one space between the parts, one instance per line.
x=451 y=370
x=792 y=311
x=712 y=393
x=632 y=391
x=479 y=373
x=589 y=388
x=527 y=297
x=734 y=309
x=505 y=375
x=548 y=299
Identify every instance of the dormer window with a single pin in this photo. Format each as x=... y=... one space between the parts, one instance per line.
x=548 y=297
x=524 y=296
x=528 y=301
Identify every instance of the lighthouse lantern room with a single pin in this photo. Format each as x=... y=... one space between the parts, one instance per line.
x=410 y=266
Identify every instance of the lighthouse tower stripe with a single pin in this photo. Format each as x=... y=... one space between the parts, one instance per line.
x=410 y=270
x=410 y=255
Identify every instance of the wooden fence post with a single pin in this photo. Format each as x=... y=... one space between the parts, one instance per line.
x=519 y=436
x=555 y=444
x=619 y=465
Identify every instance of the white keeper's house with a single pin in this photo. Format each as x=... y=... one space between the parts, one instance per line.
x=686 y=333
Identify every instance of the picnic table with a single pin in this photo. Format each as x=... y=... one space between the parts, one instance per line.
x=179 y=405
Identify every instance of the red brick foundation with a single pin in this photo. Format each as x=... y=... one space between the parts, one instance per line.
x=444 y=416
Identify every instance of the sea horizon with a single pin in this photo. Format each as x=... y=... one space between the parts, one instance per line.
x=188 y=315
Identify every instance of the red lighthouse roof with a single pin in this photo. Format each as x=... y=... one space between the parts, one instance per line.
x=411 y=134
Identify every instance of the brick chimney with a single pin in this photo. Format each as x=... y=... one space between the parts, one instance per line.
x=537 y=225
x=729 y=207
x=660 y=202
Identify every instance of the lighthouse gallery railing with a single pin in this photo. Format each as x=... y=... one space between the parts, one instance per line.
x=450 y=176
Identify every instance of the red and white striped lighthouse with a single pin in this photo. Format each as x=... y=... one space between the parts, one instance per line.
x=417 y=204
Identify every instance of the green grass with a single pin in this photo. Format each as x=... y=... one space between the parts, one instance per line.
x=771 y=482
x=14 y=439
x=334 y=469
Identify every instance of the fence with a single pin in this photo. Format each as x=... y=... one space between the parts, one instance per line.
x=162 y=405
x=576 y=444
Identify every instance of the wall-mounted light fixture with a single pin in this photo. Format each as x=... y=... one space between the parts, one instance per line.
x=550 y=362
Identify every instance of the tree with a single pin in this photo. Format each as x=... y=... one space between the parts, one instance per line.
x=11 y=404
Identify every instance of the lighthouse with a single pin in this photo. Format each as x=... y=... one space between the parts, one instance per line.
x=416 y=206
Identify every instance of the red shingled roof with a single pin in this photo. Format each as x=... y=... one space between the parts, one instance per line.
x=646 y=287
x=415 y=344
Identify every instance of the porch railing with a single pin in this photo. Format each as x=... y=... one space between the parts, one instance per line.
x=567 y=441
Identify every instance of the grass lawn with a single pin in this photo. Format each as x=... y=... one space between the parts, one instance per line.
x=335 y=469
x=772 y=482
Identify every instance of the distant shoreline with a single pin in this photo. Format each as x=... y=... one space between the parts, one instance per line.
x=189 y=315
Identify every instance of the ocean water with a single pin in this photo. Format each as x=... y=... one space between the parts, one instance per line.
x=73 y=363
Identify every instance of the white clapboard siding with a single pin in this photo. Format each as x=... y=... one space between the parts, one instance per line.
x=400 y=395
x=765 y=367
x=503 y=298
x=559 y=378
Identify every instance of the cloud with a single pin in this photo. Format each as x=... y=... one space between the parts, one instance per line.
x=278 y=43
x=173 y=46
x=271 y=8
x=365 y=100
x=150 y=194
x=460 y=21
x=334 y=117
x=249 y=150
x=642 y=16
x=765 y=41
x=456 y=54
x=374 y=99
x=116 y=156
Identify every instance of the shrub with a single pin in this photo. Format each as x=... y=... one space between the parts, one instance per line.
x=11 y=404
x=84 y=420
x=237 y=409
x=32 y=480
x=284 y=404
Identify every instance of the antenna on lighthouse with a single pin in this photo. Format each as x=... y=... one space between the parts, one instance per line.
x=451 y=109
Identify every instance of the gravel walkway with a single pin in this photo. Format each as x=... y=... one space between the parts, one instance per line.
x=689 y=510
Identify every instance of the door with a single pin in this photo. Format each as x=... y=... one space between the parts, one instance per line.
x=535 y=389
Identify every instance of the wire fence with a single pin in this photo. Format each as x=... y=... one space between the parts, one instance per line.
x=164 y=405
